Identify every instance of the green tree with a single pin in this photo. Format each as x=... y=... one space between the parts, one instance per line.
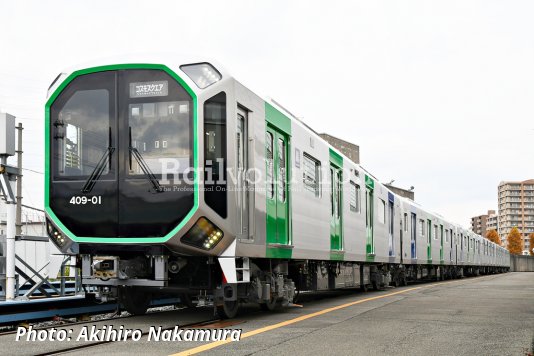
x=515 y=242
x=493 y=236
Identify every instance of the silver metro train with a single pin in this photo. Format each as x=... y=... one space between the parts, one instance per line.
x=168 y=176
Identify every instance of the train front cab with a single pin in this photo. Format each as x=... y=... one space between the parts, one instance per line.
x=123 y=190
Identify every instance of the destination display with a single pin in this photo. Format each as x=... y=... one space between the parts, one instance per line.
x=146 y=89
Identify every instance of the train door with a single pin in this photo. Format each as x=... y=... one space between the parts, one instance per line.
x=336 y=203
x=468 y=249
x=277 y=190
x=414 y=236
x=456 y=236
x=471 y=250
x=155 y=132
x=241 y=176
x=429 y=240
x=401 y=237
x=391 y=220
x=452 y=237
x=461 y=248
x=369 y=219
x=441 y=257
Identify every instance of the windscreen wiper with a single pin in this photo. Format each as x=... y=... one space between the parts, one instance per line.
x=141 y=162
x=146 y=170
x=99 y=168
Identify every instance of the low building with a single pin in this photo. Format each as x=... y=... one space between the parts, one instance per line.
x=479 y=224
x=407 y=193
x=349 y=149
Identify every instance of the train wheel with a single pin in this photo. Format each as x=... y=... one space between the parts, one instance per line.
x=228 y=309
x=270 y=305
x=296 y=296
x=135 y=301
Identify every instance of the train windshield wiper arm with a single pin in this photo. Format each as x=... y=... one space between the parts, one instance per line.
x=141 y=162
x=146 y=170
x=99 y=168
x=97 y=172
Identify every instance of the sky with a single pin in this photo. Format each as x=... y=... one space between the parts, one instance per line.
x=437 y=94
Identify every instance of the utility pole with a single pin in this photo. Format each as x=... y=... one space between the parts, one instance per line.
x=19 y=180
x=8 y=176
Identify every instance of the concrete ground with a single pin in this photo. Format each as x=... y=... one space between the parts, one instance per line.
x=490 y=315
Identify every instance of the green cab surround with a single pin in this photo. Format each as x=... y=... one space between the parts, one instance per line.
x=50 y=213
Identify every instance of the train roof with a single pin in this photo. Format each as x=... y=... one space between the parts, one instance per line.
x=167 y=59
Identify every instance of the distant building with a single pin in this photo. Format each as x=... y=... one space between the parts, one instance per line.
x=410 y=194
x=492 y=222
x=479 y=224
x=349 y=149
x=352 y=151
x=516 y=209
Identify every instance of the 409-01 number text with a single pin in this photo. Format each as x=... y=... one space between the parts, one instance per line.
x=81 y=200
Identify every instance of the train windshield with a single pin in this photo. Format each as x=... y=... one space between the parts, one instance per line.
x=81 y=129
x=85 y=125
x=160 y=132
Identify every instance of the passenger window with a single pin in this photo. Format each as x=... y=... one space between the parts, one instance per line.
x=354 y=197
x=270 y=165
x=281 y=170
x=335 y=192
x=311 y=175
x=422 y=227
x=215 y=193
x=382 y=212
x=332 y=190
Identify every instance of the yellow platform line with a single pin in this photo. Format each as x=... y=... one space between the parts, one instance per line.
x=215 y=344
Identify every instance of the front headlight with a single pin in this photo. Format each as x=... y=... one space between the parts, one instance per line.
x=204 y=234
x=55 y=235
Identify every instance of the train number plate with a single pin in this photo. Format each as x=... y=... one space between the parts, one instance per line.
x=83 y=200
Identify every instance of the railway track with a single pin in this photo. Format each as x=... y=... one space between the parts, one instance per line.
x=30 y=312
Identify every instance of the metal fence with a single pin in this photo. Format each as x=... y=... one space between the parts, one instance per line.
x=521 y=263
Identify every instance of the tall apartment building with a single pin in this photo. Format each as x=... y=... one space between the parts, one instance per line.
x=479 y=224
x=516 y=209
x=493 y=222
